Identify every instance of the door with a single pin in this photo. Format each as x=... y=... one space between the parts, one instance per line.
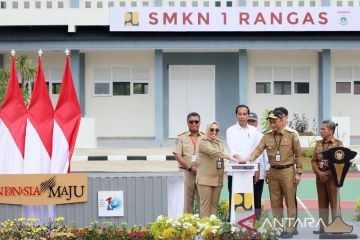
x=191 y=89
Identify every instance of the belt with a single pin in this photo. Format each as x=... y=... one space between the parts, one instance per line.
x=279 y=167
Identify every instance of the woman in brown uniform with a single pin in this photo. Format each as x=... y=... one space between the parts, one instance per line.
x=210 y=172
x=325 y=184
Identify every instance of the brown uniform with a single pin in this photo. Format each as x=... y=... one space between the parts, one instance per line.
x=326 y=190
x=186 y=148
x=282 y=171
x=210 y=175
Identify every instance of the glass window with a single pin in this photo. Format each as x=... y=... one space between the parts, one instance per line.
x=3 y=5
x=87 y=4
x=37 y=4
x=229 y=3
x=343 y=87
x=312 y=3
x=278 y=3
x=26 y=4
x=302 y=88
x=48 y=4
x=182 y=4
x=133 y=3
x=15 y=5
x=141 y=88
x=145 y=3
x=194 y=3
x=282 y=87
x=267 y=3
x=301 y=3
x=255 y=3
x=101 y=88
x=217 y=4
x=60 y=4
x=356 y=87
x=289 y=3
x=263 y=87
x=122 y=4
x=206 y=4
x=99 y=4
x=111 y=4
x=121 y=88
x=56 y=88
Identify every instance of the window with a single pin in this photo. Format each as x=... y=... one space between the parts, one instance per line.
x=121 y=81
x=217 y=4
x=141 y=88
x=255 y=3
x=111 y=4
x=206 y=4
x=55 y=79
x=15 y=5
x=301 y=3
x=99 y=4
x=48 y=4
x=343 y=87
x=26 y=4
x=171 y=4
x=267 y=3
x=2 y=5
x=133 y=4
x=37 y=4
x=145 y=3
x=356 y=87
x=312 y=3
x=121 y=88
x=263 y=78
x=339 y=3
x=282 y=80
x=182 y=4
x=263 y=87
x=102 y=79
x=278 y=3
x=343 y=79
x=350 y=3
x=289 y=3
x=87 y=4
x=122 y=4
x=60 y=4
x=302 y=88
x=194 y=3
x=229 y=3
x=282 y=87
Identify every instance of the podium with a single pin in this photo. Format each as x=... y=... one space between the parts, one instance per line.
x=242 y=199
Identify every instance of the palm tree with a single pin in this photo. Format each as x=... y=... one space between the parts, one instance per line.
x=27 y=75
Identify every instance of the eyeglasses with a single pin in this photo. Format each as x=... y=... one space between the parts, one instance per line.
x=194 y=122
x=214 y=130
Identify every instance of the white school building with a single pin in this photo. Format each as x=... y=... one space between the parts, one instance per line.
x=140 y=67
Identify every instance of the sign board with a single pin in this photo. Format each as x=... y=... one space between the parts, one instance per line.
x=238 y=19
x=43 y=189
x=111 y=203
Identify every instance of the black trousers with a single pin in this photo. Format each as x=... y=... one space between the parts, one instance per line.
x=258 y=189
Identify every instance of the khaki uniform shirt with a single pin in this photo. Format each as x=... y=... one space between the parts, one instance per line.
x=185 y=147
x=322 y=146
x=209 y=152
x=286 y=142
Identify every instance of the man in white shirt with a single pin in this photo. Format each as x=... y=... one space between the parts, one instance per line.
x=264 y=166
x=242 y=139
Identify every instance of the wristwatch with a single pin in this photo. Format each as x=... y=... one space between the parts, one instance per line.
x=189 y=169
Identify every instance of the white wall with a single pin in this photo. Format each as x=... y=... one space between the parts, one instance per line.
x=345 y=104
x=299 y=104
x=120 y=116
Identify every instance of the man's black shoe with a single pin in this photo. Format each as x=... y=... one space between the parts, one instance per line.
x=318 y=231
x=286 y=235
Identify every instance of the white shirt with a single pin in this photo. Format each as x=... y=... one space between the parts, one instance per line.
x=243 y=141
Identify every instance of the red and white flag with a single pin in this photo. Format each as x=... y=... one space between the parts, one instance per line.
x=66 y=125
x=39 y=130
x=38 y=140
x=12 y=126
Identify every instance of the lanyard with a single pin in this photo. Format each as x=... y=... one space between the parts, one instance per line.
x=277 y=145
x=194 y=141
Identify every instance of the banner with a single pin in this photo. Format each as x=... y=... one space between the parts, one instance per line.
x=238 y=19
x=43 y=189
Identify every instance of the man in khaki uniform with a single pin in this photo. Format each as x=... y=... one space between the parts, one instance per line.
x=284 y=153
x=186 y=150
x=325 y=184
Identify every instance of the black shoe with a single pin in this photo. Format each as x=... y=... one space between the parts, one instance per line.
x=295 y=232
x=318 y=231
x=286 y=235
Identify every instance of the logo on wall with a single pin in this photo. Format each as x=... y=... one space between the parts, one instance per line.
x=343 y=20
x=243 y=202
x=111 y=203
x=43 y=189
x=131 y=19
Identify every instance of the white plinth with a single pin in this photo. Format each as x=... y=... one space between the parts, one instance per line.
x=242 y=199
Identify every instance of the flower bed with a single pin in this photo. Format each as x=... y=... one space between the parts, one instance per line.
x=186 y=227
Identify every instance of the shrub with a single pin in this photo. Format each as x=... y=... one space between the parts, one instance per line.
x=302 y=125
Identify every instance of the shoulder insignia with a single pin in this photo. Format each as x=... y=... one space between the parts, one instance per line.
x=290 y=130
x=269 y=131
x=182 y=133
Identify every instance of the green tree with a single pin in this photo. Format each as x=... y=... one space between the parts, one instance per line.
x=27 y=74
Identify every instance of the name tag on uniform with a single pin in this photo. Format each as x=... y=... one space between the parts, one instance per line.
x=277 y=157
x=193 y=158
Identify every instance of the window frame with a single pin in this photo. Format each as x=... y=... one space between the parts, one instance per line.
x=131 y=80
x=351 y=80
